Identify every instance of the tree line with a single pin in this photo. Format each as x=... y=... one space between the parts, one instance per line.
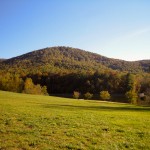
x=88 y=84
x=14 y=83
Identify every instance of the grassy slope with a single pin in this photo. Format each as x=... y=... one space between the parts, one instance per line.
x=42 y=122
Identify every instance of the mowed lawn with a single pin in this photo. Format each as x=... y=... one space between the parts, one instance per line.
x=45 y=122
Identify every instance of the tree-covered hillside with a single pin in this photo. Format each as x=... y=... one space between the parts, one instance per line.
x=56 y=58
x=65 y=70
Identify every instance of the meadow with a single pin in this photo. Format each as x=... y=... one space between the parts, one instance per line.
x=49 y=123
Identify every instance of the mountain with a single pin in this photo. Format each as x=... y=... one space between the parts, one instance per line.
x=70 y=59
x=1 y=59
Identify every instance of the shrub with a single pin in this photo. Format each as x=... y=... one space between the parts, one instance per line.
x=88 y=95
x=30 y=88
x=76 y=94
x=104 y=95
x=132 y=97
x=44 y=90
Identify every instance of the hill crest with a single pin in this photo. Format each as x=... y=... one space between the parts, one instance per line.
x=73 y=59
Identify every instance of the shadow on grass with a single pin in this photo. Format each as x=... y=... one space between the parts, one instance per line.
x=96 y=108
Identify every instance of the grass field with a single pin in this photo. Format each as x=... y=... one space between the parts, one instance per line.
x=44 y=122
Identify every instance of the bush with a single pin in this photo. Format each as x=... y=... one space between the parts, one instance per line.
x=76 y=94
x=88 y=95
x=104 y=95
x=44 y=90
x=132 y=97
x=30 y=88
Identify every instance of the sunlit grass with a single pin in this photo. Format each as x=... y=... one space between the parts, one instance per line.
x=44 y=122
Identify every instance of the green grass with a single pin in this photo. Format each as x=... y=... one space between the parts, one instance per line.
x=45 y=122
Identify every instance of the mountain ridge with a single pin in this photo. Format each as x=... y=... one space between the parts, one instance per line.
x=73 y=58
x=3 y=59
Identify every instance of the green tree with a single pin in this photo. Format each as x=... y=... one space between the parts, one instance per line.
x=104 y=95
x=76 y=94
x=131 y=93
x=132 y=97
x=88 y=95
x=11 y=82
x=131 y=82
x=37 y=90
x=44 y=90
x=28 y=86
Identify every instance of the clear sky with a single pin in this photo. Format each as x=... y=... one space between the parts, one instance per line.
x=113 y=28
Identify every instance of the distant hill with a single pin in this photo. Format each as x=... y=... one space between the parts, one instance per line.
x=1 y=59
x=66 y=58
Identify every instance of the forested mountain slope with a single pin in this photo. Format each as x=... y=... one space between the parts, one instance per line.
x=65 y=58
x=64 y=70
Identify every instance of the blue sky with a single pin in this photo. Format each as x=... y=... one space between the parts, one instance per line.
x=113 y=28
